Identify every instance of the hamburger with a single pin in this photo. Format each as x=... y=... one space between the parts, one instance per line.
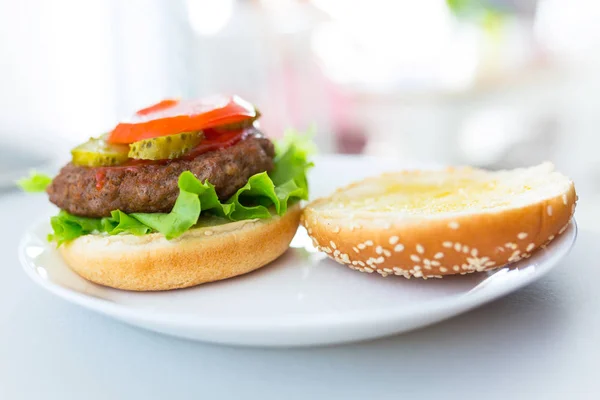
x=182 y=193
x=431 y=224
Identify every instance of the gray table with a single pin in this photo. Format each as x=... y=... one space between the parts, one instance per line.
x=541 y=342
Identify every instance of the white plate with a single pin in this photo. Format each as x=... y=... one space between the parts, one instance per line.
x=300 y=299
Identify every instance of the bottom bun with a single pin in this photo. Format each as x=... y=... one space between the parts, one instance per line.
x=205 y=254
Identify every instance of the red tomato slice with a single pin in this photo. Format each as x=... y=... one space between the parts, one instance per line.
x=215 y=141
x=172 y=116
x=158 y=107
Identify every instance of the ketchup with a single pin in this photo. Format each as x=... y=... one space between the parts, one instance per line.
x=100 y=178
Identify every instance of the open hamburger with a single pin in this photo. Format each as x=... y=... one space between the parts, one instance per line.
x=183 y=193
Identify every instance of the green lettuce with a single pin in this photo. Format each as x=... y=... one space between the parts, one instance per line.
x=35 y=182
x=263 y=192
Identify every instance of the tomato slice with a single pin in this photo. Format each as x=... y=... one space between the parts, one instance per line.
x=214 y=141
x=158 y=107
x=175 y=116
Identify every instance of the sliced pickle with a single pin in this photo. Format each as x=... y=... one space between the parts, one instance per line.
x=165 y=147
x=237 y=126
x=96 y=152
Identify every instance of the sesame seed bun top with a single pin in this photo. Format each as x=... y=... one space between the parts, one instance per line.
x=434 y=223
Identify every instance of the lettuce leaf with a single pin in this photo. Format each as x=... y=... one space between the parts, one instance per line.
x=36 y=182
x=285 y=184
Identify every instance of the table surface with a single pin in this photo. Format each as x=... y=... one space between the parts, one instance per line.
x=541 y=342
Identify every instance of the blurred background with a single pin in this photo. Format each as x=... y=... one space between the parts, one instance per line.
x=492 y=83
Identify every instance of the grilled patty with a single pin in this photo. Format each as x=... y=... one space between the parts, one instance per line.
x=95 y=192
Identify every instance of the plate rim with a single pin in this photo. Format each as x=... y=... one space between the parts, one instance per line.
x=459 y=304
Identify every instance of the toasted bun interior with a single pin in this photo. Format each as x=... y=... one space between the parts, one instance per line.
x=212 y=253
x=435 y=223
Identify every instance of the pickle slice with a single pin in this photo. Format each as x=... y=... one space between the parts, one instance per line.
x=96 y=152
x=165 y=147
x=237 y=126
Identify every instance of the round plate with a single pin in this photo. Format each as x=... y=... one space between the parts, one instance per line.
x=300 y=299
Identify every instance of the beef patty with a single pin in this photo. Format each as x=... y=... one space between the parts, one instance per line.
x=153 y=188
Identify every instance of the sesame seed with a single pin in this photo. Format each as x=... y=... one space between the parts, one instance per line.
x=398 y=269
x=356 y=250
x=310 y=231
x=418 y=274
x=361 y=246
x=522 y=235
x=415 y=258
x=489 y=263
x=369 y=243
x=456 y=268
x=354 y=262
x=417 y=267
x=510 y=245
x=457 y=246
x=362 y=264
x=465 y=249
x=442 y=269
x=388 y=270
x=515 y=256
x=427 y=267
x=549 y=210
x=530 y=247
x=420 y=249
x=453 y=225
x=387 y=253
x=447 y=244
x=378 y=250
x=474 y=252
x=398 y=248
x=551 y=237
x=336 y=253
x=326 y=250
x=426 y=261
x=564 y=228
x=393 y=240
x=332 y=244
x=564 y=199
x=369 y=270
x=438 y=255
x=435 y=263
x=379 y=260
